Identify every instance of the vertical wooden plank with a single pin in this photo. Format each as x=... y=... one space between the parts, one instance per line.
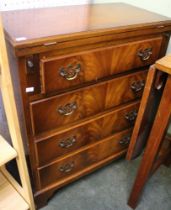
x=12 y=118
x=154 y=144
x=146 y=114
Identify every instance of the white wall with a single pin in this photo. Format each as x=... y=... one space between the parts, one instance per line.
x=24 y=4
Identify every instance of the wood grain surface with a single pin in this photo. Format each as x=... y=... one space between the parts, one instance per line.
x=84 y=135
x=95 y=64
x=82 y=159
x=61 y=21
x=46 y=113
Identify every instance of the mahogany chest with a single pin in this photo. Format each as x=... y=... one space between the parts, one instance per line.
x=79 y=73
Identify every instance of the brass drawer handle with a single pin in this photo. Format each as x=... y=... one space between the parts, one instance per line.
x=68 y=109
x=131 y=116
x=125 y=141
x=71 y=72
x=67 y=167
x=67 y=143
x=145 y=54
x=137 y=86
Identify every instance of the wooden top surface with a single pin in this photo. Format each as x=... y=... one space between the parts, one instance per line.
x=7 y=152
x=25 y=26
x=164 y=64
x=9 y=197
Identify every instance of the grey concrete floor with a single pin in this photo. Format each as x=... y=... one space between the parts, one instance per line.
x=109 y=187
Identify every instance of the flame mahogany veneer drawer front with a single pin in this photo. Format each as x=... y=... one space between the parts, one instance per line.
x=50 y=113
x=119 y=119
x=81 y=159
x=63 y=72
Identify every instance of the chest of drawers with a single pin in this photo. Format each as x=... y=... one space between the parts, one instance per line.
x=78 y=74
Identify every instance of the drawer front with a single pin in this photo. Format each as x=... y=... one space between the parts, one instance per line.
x=90 y=155
x=51 y=148
x=64 y=72
x=63 y=109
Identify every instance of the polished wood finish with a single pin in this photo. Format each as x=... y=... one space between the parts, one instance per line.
x=96 y=64
x=90 y=119
x=81 y=83
x=92 y=20
x=153 y=156
x=164 y=64
x=63 y=109
x=82 y=159
x=146 y=114
x=42 y=195
x=85 y=134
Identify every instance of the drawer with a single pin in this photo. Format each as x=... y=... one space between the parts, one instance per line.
x=48 y=114
x=69 y=165
x=48 y=149
x=60 y=73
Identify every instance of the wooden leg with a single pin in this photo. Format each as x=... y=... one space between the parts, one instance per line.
x=167 y=163
x=153 y=145
x=42 y=199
